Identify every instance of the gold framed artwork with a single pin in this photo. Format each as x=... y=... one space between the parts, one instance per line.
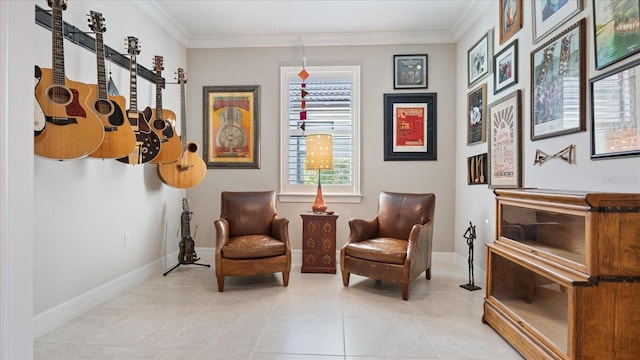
x=510 y=19
x=505 y=142
x=477 y=115
x=231 y=126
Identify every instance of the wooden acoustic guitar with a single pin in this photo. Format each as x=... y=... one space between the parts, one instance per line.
x=71 y=129
x=147 y=141
x=190 y=169
x=119 y=139
x=161 y=122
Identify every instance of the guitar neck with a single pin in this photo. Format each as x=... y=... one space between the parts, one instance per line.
x=158 y=95
x=133 y=87
x=186 y=226
x=57 y=46
x=183 y=116
x=102 y=75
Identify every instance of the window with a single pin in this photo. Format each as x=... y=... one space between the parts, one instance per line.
x=332 y=106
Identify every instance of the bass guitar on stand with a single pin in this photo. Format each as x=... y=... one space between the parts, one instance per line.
x=187 y=254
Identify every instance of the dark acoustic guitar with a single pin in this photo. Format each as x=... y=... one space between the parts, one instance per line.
x=71 y=129
x=119 y=139
x=162 y=122
x=190 y=169
x=147 y=141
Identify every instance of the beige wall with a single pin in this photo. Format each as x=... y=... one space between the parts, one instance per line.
x=261 y=66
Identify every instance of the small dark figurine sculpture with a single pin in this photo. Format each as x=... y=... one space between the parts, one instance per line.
x=470 y=235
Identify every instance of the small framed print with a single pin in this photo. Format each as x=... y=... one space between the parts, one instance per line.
x=505 y=69
x=231 y=126
x=477 y=110
x=410 y=71
x=510 y=19
x=410 y=126
x=479 y=59
x=616 y=30
x=615 y=116
x=558 y=84
x=505 y=142
x=548 y=15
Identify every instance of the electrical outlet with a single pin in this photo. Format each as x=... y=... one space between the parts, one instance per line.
x=127 y=239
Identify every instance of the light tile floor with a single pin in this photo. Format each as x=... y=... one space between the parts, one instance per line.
x=183 y=316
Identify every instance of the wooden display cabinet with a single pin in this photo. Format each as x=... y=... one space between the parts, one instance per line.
x=318 y=242
x=563 y=276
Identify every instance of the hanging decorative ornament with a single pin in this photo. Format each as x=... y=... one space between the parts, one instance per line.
x=303 y=75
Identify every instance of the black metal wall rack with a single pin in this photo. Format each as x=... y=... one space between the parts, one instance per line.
x=80 y=38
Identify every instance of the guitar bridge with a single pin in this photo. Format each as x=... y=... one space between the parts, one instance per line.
x=61 y=121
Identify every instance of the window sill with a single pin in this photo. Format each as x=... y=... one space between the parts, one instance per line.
x=329 y=198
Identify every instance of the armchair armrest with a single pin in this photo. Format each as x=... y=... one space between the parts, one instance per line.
x=361 y=229
x=222 y=233
x=420 y=245
x=280 y=229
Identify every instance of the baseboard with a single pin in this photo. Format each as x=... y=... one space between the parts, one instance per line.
x=61 y=314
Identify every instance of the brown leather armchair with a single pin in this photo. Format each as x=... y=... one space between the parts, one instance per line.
x=396 y=245
x=250 y=238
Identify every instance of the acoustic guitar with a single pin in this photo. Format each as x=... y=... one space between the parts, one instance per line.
x=190 y=169
x=161 y=122
x=71 y=129
x=147 y=145
x=119 y=139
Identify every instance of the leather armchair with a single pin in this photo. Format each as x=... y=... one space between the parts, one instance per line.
x=250 y=238
x=396 y=245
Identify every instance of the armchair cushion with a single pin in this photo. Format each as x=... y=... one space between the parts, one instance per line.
x=252 y=246
x=385 y=250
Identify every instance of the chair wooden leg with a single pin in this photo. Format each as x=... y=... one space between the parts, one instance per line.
x=285 y=278
x=428 y=273
x=220 y=282
x=345 y=278
x=405 y=291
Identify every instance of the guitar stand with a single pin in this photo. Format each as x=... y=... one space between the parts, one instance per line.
x=185 y=263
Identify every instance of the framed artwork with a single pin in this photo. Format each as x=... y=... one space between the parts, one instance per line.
x=505 y=67
x=410 y=126
x=510 y=19
x=505 y=142
x=477 y=170
x=479 y=59
x=616 y=27
x=615 y=116
x=477 y=110
x=558 y=84
x=548 y=15
x=231 y=126
x=410 y=71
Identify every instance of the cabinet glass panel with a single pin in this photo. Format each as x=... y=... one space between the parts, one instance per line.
x=559 y=234
x=539 y=301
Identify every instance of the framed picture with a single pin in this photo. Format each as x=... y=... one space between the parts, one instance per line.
x=477 y=110
x=231 y=126
x=548 y=15
x=510 y=19
x=410 y=126
x=558 y=84
x=505 y=142
x=615 y=116
x=477 y=170
x=479 y=59
x=410 y=71
x=616 y=27
x=505 y=67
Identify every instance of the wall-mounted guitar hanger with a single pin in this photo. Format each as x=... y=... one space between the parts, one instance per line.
x=80 y=38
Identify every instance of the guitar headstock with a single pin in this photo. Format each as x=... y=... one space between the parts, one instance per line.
x=96 y=22
x=185 y=204
x=181 y=78
x=133 y=45
x=58 y=4
x=158 y=63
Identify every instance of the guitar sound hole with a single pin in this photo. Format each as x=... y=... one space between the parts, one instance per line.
x=103 y=107
x=159 y=124
x=59 y=95
x=192 y=147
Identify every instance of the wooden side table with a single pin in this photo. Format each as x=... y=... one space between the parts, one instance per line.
x=318 y=243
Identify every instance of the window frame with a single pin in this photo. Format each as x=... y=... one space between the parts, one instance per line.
x=331 y=193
